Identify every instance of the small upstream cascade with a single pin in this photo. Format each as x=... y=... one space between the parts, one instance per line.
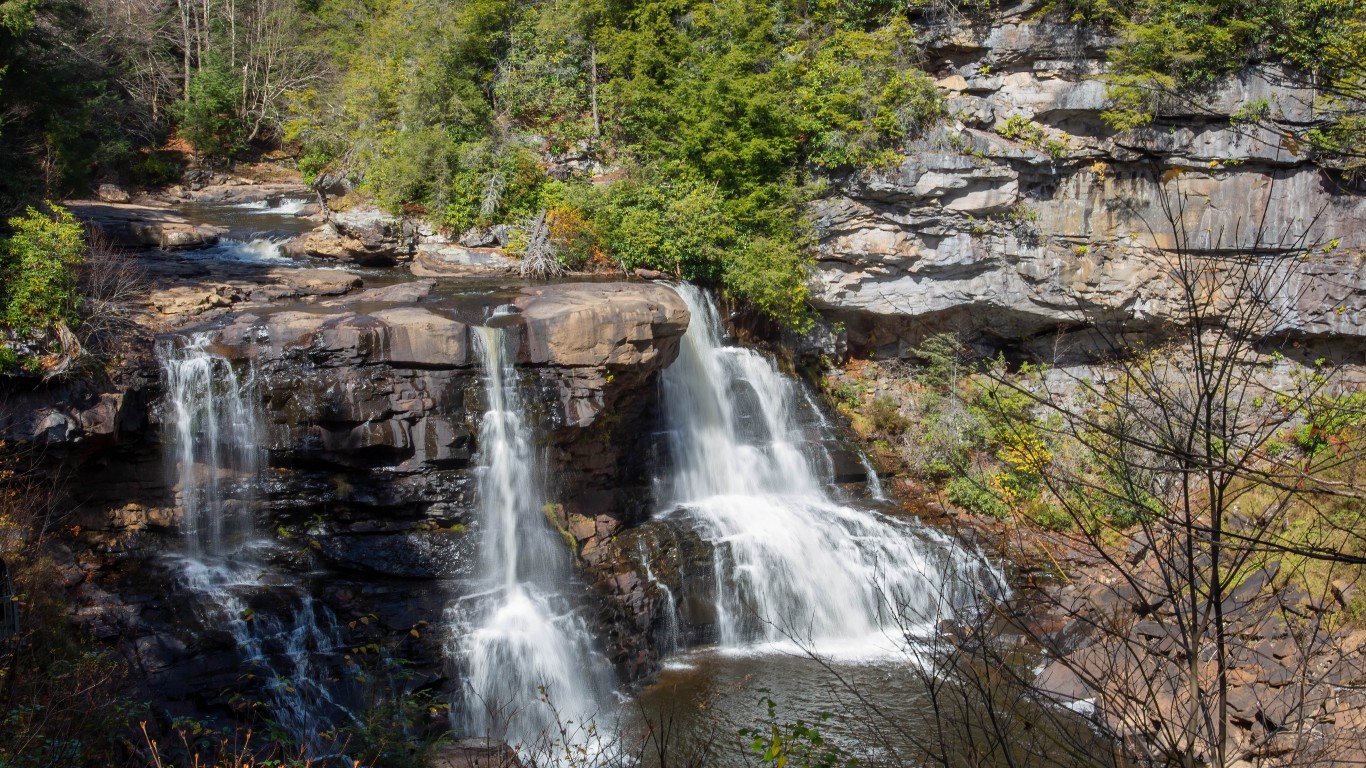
x=531 y=676
x=214 y=451
x=792 y=566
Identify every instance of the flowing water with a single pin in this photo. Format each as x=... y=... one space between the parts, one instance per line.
x=531 y=676
x=281 y=206
x=283 y=636
x=822 y=603
x=215 y=444
x=794 y=568
x=798 y=565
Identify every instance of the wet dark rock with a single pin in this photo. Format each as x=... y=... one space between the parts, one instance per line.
x=417 y=555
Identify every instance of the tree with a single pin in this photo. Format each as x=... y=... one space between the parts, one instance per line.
x=209 y=116
x=1178 y=464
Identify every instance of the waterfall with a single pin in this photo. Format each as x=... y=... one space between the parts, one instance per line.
x=531 y=678
x=670 y=637
x=214 y=442
x=281 y=206
x=213 y=452
x=791 y=565
x=874 y=482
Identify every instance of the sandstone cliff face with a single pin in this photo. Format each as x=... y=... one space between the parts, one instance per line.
x=1024 y=212
x=366 y=505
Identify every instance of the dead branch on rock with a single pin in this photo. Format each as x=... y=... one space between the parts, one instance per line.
x=540 y=260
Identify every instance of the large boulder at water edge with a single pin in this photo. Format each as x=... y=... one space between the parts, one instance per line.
x=143 y=226
x=364 y=235
x=586 y=324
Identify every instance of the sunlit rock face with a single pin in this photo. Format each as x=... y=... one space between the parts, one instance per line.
x=1024 y=212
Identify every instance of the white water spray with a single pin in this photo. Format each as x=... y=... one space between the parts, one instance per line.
x=284 y=206
x=214 y=450
x=791 y=565
x=215 y=445
x=532 y=679
x=260 y=251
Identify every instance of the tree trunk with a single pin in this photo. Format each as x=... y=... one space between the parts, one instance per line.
x=593 y=87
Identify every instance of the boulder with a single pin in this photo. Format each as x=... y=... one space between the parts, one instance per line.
x=445 y=260
x=601 y=324
x=250 y=192
x=189 y=297
x=372 y=237
x=112 y=193
x=143 y=226
x=364 y=235
x=407 y=336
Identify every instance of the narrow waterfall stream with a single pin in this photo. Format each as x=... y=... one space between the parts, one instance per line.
x=215 y=442
x=283 y=636
x=531 y=676
x=793 y=568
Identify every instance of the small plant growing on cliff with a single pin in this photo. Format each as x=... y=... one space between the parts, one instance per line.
x=1022 y=129
x=886 y=416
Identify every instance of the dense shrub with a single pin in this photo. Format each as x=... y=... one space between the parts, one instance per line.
x=712 y=117
x=39 y=264
x=973 y=494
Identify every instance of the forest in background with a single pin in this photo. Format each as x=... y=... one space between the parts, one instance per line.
x=715 y=121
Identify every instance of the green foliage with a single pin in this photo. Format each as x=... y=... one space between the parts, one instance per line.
x=975 y=495
x=66 y=116
x=944 y=356
x=1048 y=516
x=544 y=82
x=771 y=274
x=712 y=113
x=489 y=185
x=38 y=273
x=1172 y=52
x=794 y=744
x=679 y=228
x=1022 y=129
x=859 y=95
x=1329 y=420
x=388 y=729
x=209 y=117
x=154 y=170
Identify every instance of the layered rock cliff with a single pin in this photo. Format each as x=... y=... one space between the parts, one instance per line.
x=1025 y=212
